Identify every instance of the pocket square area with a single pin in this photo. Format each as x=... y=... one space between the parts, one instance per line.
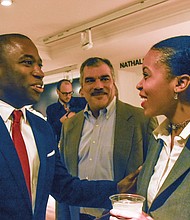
x=51 y=153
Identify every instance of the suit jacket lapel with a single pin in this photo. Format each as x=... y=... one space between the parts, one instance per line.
x=9 y=152
x=181 y=165
x=122 y=140
x=74 y=136
x=41 y=147
x=177 y=174
x=148 y=167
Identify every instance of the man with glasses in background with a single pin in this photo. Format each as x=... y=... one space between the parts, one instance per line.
x=65 y=107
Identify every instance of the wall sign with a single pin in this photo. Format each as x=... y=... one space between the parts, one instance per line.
x=131 y=63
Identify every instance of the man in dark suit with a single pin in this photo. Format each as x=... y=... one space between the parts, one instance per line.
x=20 y=85
x=65 y=107
x=108 y=140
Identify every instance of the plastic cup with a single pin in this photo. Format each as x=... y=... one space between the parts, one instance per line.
x=127 y=204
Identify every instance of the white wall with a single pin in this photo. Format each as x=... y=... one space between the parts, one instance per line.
x=126 y=81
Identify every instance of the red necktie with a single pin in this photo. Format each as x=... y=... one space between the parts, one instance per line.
x=20 y=147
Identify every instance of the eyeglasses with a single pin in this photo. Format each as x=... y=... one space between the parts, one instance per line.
x=67 y=93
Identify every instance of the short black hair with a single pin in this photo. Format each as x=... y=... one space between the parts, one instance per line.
x=6 y=39
x=175 y=54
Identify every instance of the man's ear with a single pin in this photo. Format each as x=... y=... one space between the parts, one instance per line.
x=81 y=92
x=183 y=83
x=57 y=91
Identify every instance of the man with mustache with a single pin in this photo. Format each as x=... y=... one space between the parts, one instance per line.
x=107 y=140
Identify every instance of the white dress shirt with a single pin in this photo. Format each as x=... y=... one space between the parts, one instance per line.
x=167 y=157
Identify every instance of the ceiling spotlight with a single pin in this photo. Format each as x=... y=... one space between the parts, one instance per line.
x=6 y=2
x=86 y=39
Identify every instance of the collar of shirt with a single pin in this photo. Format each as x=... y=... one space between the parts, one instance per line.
x=63 y=103
x=167 y=157
x=6 y=110
x=106 y=111
x=161 y=132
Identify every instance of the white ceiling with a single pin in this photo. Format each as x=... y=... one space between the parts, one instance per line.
x=124 y=38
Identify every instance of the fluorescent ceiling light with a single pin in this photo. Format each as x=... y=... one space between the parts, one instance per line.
x=6 y=2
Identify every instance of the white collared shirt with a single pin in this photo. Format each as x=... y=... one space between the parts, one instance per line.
x=33 y=157
x=167 y=157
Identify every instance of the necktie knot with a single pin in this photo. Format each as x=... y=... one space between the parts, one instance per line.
x=17 y=116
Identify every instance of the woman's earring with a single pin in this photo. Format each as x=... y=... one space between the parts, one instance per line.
x=175 y=95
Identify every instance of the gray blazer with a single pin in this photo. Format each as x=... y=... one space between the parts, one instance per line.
x=132 y=133
x=172 y=201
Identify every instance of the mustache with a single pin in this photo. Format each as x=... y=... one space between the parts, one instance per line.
x=98 y=92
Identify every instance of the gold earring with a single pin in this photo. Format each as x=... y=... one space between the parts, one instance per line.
x=175 y=95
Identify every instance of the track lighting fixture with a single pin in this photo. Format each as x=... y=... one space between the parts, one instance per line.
x=86 y=39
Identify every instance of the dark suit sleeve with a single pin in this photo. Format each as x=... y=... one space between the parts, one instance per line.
x=80 y=192
x=77 y=104
x=54 y=113
x=54 y=178
x=53 y=119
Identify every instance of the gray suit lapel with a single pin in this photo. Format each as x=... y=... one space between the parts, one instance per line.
x=73 y=135
x=122 y=141
x=181 y=165
x=148 y=167
x=178 y=173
